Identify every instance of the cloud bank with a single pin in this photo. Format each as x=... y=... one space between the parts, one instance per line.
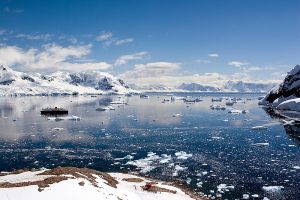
x=51 y=57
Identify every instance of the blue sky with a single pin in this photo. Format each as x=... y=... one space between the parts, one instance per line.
x=154 y=40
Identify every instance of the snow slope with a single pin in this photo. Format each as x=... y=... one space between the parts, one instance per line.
x=78 y=184
x=60 y=83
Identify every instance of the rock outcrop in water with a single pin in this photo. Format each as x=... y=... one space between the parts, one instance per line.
x=60 y=83
x=288 y=89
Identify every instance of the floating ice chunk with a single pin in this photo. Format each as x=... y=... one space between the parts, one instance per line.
x=261 y=144
x=119 y=102
x=73 y=117
x=272 y=189
x=101 y=109
x=259 y=128
x=245 y=111
x=51 y=118
x=188 y=181
x=178 y=168
x=296 y=167
x=229 y=103
x=129 y=157
x=216 y=99
x=246 y=196
x=199 y=184
x=105 y=108
x=217 y=107
x=166 y=158
x=255 y=195
x=234 y=111
x=217 y=138
x=145 y=164
x=57 y=129
x=177 y=115
x=182 y=155
x=111 y=108
x=224 y=188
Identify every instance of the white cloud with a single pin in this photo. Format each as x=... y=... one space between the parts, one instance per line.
x=104 y=36
x=108 y=39
x=215 y=55
x=13 y=10
x=124 y=59
x=34 y=36
x=51 y=57
x=201 y=61
x=2 y=32
x=152 y=70
x=11 y=55
x=237 y=63
x=124 y=41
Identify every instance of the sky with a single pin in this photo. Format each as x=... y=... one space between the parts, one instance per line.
x=153 y=41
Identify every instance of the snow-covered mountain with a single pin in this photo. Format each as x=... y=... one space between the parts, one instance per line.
x=60 y=83
x=198 y=87
x=229 y=86
x=152 y=88
x=240 y=86
x=287 y=90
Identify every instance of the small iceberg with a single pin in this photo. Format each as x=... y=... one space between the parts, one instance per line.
x=229 y=103
x=217 y=107
x=101 y=109
x=259 y=128
x=144 y=96
x=264 y=144
x=217 y=99
x=105 y=108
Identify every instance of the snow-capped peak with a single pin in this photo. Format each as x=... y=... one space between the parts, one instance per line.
x=90 y=82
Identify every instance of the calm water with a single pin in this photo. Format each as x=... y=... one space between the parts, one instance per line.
x=203 y=148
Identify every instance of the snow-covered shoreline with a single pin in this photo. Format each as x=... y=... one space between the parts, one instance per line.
x=82 y=183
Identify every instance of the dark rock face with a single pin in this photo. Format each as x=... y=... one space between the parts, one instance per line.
x=8 y=82
x=76 y=79
x=26 y=77
x=123 y=83
x=290 y=86
x=104 y=84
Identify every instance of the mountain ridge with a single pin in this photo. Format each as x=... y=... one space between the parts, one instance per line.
x=60 y=83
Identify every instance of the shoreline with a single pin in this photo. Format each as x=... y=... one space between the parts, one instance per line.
x=41 y=182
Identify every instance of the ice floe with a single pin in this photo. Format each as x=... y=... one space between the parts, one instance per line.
x=183 y=155
x=222 y=188
x=272 y=189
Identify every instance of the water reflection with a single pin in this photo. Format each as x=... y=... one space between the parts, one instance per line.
x=290 y=122
x=222 y=145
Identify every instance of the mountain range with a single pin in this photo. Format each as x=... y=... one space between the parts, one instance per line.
x=60 y=83
x=94 y=82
